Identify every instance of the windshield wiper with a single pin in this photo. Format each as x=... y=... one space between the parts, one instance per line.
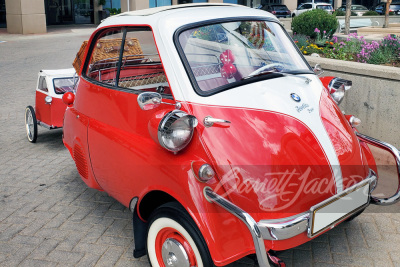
x=274 y=68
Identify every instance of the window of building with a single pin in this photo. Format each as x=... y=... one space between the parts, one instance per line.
x=157 y=3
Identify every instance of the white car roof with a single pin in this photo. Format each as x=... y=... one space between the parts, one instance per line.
x=173 y=17
x=58 y=73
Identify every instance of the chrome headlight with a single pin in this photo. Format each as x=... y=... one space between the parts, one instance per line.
x=337 y=88
x=48 y=99
x=338 y=94
x=176 y=130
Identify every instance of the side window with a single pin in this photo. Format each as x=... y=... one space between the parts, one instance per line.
x=307 y=6
x=138 y=68
x=141 y=67
x=42 y=84
x=103 y=64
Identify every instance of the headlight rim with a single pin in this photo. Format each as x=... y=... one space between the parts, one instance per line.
x=162 y=129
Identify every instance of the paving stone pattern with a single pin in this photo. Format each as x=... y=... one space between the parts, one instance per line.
x=48 y=216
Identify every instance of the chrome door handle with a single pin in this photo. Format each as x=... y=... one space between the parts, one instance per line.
x=209 y=121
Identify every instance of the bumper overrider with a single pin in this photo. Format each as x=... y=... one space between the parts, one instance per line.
x=320 y=217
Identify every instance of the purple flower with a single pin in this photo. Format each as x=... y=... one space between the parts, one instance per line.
x=324 y=32
x=316 y=30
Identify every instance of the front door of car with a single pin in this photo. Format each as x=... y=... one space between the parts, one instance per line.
x=123 y=63
x=305 y=7
x=42 y=109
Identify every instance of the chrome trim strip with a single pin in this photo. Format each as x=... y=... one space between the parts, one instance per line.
x=395 y=152
x=246 y=219
x=285 y=228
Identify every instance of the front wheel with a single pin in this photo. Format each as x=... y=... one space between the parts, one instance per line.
x=173 y=239
x=30 y=124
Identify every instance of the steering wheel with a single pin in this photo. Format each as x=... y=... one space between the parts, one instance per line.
x=273 y=66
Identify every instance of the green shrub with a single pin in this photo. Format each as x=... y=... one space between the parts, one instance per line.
x=308 y=21
x=371 y=13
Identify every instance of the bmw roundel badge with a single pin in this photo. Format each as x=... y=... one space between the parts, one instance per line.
x=295 y=97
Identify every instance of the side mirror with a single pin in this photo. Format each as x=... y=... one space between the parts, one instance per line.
x=149 y=100
x=68 y=98
x=318 y=70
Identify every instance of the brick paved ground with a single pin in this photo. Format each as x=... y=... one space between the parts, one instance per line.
x=49 y=217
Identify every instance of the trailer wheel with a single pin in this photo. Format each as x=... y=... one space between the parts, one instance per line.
x=174 y=240
x=31 y=124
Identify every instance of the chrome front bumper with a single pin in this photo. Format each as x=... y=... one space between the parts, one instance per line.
x=281 y=229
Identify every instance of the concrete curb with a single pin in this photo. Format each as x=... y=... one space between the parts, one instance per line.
x=370 y=70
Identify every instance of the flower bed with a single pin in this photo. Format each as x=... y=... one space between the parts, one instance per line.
x=354 y=48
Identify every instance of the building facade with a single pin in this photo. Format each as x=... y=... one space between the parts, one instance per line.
x=33 y=16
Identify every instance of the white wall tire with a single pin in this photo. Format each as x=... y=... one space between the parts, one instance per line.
x=173 y=239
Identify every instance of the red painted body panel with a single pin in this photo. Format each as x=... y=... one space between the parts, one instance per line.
x=51 y=114
x=42 y=110
x=58 y=108
x=353 y=163
x=266 y=161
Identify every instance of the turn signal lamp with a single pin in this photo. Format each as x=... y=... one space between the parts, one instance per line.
x=354 y=122
x=206 y=173
x=202 y=171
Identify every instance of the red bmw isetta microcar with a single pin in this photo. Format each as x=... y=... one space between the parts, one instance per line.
x=209 y=124
x=49 y=107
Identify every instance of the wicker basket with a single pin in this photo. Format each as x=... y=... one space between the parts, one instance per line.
x=107 y=49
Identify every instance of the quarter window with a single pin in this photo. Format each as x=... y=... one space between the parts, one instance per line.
x=42 y=84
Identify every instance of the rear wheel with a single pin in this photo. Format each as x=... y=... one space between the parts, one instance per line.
x=173 y=239
x=30 y=124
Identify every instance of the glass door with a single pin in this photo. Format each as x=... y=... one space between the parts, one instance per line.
x=59 y=12
x=3 y=14
x=83 y=10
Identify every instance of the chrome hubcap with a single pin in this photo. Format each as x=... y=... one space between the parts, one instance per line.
x=174 y=254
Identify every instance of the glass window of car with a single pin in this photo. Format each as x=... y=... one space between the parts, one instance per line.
x=63 y=85
x=224 y=55
x=138 y=67
x=358 y=8
x=307 y=6
x=143 y=72
x=42 y=85
x=300 y=7
x=280 y=7
x=324 y=7
x=103 y=64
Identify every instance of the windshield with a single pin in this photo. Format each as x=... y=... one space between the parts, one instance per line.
x=63 y=85
x=224 y=55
